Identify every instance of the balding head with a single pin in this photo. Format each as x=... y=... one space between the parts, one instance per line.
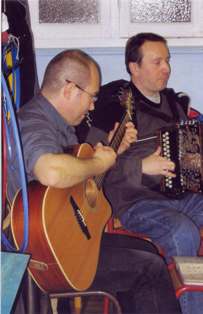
x=72 y=65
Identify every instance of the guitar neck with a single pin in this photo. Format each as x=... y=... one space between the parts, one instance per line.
x=115 y=143
x=119 y=133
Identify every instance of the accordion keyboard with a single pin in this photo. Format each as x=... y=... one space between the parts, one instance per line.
x=183 y=144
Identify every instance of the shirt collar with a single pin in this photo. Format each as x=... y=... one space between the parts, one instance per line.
x=51 y=112
x=139 y=95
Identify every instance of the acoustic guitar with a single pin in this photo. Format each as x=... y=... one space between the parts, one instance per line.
x=65 y=228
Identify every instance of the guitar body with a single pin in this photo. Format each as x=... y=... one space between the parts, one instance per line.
x=65 y=230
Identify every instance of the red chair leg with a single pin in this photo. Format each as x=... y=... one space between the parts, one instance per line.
x=106 y=305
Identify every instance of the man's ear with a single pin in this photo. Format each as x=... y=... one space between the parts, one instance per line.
x=133 y=67
x=68 y=89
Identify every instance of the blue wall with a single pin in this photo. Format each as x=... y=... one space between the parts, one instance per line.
x=186 y=64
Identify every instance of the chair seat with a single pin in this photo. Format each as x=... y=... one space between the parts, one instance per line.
x=114 y=226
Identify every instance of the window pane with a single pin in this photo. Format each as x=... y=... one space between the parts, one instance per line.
x=69 y=11
x=164 y=11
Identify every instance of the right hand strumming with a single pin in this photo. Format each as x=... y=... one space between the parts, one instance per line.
x=105 y=157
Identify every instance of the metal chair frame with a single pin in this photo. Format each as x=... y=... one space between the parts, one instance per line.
x=107 y=298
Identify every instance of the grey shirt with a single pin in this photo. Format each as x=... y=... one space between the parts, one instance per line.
x=42 y=131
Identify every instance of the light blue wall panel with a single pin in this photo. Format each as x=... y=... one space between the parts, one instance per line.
x=187 y=73
x=186 y=63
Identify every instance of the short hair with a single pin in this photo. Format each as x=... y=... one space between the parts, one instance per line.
x=69 y=65
x=133 y=51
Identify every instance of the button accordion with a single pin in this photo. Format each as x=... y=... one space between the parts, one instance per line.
x=183 y=144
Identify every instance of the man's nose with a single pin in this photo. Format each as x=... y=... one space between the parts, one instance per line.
x=166 y=67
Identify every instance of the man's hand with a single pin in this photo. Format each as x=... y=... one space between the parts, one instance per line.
x=155 y=164
x=105 y=157
x=129 y=137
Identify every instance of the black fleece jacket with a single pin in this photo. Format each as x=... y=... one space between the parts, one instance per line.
x=125 y=184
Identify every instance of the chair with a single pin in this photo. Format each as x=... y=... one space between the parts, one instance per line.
x=179 y=286
x=114 y=226
x=76 y=295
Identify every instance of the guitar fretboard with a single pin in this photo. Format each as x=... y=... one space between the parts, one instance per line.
x=115 y=143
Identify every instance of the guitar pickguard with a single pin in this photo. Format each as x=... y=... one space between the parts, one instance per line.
x=79 y=217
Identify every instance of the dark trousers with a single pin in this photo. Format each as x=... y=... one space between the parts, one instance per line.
x=128 y=268
x=136 y=276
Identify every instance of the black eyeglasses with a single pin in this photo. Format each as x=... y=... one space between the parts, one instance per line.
x=94 y=97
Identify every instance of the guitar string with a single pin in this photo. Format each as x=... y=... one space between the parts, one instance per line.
x=114 y=144
x=120 y=131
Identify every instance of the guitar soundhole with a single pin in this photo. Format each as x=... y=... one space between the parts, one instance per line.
x=91 y=193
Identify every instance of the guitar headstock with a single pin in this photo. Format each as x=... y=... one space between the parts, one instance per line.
x=126 y=99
